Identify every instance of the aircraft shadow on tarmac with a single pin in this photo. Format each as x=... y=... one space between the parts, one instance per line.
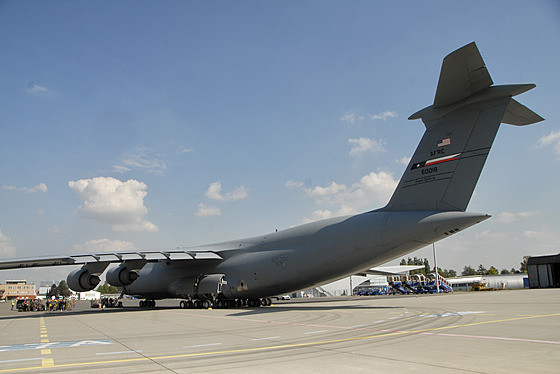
x=236 y=311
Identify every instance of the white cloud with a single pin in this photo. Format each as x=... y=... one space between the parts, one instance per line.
x=325 y=194
x=112 y=201
x=383 y=116
x=56 y=230
x=508 y=217
x=182 y=150
x=141 y=159
x=208 y=210
x=214 y=192
x=318 y=215
x=404 y=160
x=352 y=116
x=551 y=139
x=105 y=245
x=7 y=249
x=373 y=188
x=363 y=145
x=37 y=90
x=293 y=184
x=41 y=187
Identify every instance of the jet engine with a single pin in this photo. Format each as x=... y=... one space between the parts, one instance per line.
x=126 y=273
x=81 y=280
x=121 y=276
x=87 y=277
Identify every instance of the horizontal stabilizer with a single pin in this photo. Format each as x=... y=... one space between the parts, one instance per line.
x=463 y=74
x=519 y=115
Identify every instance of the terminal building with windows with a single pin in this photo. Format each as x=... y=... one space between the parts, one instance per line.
x=17 y=289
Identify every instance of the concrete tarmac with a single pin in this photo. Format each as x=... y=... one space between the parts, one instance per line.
x=484 y=332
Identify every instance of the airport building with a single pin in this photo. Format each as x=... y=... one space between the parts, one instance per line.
x=17 y=289
x=544 y=271
x=497 y=282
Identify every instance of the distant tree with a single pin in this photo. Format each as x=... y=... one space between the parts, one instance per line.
x=417 y=261
x=468 y=270
x=481 y=270
x=52 y=292
x=447 y=273
x=492 y=271
x=106 y=288
x=426 y=266
x=523 y=265
x=63 y=289
x=504 y=271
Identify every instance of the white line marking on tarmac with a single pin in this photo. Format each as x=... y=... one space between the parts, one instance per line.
x=201 y=345
x=316 y=332
x=116 y=353
x=449 y=314
x=270 y=337
x=71 y=344
x=21 y=359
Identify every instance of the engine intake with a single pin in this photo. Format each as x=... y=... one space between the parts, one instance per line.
x=82 y=280
x=121 y=276
x=87 y=277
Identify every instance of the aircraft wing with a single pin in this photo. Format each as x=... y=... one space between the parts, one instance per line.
x=109 y=257
x=390 y=270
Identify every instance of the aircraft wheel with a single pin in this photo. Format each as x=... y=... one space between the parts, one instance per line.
x=220 y=304
x=142 y=304
x=206 y=304
x=183 y=304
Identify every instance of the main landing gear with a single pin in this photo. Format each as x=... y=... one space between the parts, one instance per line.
x=224 y=303
x=147 y=303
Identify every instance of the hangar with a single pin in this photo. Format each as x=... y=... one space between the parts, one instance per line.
x=544 y=271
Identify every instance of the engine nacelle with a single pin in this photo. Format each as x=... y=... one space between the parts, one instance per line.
x=121 y=276
x=87 y=277
x=82 y=280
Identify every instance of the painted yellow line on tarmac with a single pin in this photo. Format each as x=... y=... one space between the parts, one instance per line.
x=274 y=347
x=46 y=362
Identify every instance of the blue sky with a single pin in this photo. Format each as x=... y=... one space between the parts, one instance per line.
x=149 y=125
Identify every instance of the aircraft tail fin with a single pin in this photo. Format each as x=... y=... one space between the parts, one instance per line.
x=460 y=128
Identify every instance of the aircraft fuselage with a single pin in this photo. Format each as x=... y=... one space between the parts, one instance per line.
x=307 y=255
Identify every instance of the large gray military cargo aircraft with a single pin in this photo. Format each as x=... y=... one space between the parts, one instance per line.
x=428 y=205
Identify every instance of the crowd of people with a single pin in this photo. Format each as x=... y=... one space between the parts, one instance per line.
x=106 y=302
x=36 y=305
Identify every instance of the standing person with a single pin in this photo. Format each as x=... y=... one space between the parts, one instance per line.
x=13 y=302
